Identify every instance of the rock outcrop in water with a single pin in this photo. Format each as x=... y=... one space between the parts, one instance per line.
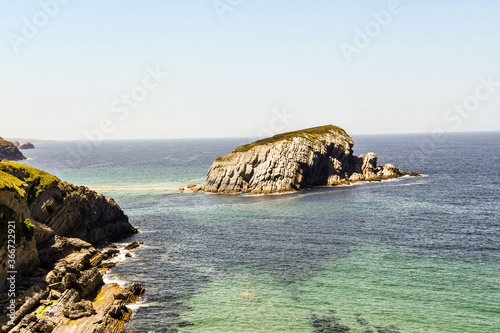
x=293 y=161
x=9 y=151
x=60 y=274
x=27 y=145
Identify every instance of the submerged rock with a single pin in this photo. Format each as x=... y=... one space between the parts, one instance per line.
x=293 y=161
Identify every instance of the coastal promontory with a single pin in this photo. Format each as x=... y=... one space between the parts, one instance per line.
x=9 y=151
x=51 y=268
x=318 y=156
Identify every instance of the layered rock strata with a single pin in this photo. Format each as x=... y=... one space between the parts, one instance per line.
x=59 y=285
x=319 y=156
x=71 y=296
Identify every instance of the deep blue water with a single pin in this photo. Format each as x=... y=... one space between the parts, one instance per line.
x=344 y=249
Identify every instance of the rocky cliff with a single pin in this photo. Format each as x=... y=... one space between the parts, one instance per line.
x=36 y=200
x=57 y=226
x=8 y=151
x=293 y=161
x=69 y=210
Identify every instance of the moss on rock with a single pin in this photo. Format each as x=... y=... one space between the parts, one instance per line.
x=14 y=175
x=308 y=133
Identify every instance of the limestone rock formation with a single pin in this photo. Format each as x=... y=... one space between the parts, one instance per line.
x=27 y=145
x=293 y=161
x=72 y=297
x=69 y=210
x=8 y=151
x=42 y=206
x=62 y=277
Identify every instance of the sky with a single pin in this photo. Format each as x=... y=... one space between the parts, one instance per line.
x=123 y=69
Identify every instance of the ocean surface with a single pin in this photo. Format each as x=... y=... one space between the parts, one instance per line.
x=407 y=255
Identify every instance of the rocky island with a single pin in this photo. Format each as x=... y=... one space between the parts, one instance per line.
x=318 y=156
x=59 y=282
x=27 y=145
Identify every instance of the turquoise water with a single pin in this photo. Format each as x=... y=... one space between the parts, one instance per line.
x=373 y=288
x=410 y=255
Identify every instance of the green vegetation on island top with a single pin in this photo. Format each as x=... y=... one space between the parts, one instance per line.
x=14 y=175
x=308 y=133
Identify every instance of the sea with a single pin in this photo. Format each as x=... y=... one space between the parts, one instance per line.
x=415 y=254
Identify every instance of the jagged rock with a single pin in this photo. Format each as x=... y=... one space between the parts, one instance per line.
x=15 y=143
x=27 y=145
x=136 y=288
x=133 y=245
x=8 y=151
x=61 y=247
x=107 y=265
x=80 y=309
x=58 y=286
x=69 y=280
x=118 y=311
x=54 y=295
x=196 y=188
x=191 y=185
x=41 y=325
x=51 y=278
x=42 y=233
x=79 y=212
x=31 y=318
x=293 y=161
x=90 y=281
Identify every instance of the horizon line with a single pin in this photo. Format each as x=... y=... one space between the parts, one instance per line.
x=236 y=137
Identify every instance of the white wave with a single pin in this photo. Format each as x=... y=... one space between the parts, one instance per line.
x=113 y=278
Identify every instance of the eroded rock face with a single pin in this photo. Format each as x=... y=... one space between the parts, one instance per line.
x=293 y=161
x=8 y=151
x=14 y=208
x=72 y=297
x=64 y=217
x=78 y=212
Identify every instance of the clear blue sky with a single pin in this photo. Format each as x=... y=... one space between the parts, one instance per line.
x=227 y=77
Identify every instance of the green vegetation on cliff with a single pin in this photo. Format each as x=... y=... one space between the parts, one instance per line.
x=309 y=133
x=24 y=229
x=14 y=175
x=12 y=183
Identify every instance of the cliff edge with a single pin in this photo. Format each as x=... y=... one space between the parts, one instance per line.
x=53 y=255
x=9 y=151
x=318 y=156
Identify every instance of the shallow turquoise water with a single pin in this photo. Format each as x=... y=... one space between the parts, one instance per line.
x=372 y=288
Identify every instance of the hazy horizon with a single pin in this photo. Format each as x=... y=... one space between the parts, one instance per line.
x=128 y=70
